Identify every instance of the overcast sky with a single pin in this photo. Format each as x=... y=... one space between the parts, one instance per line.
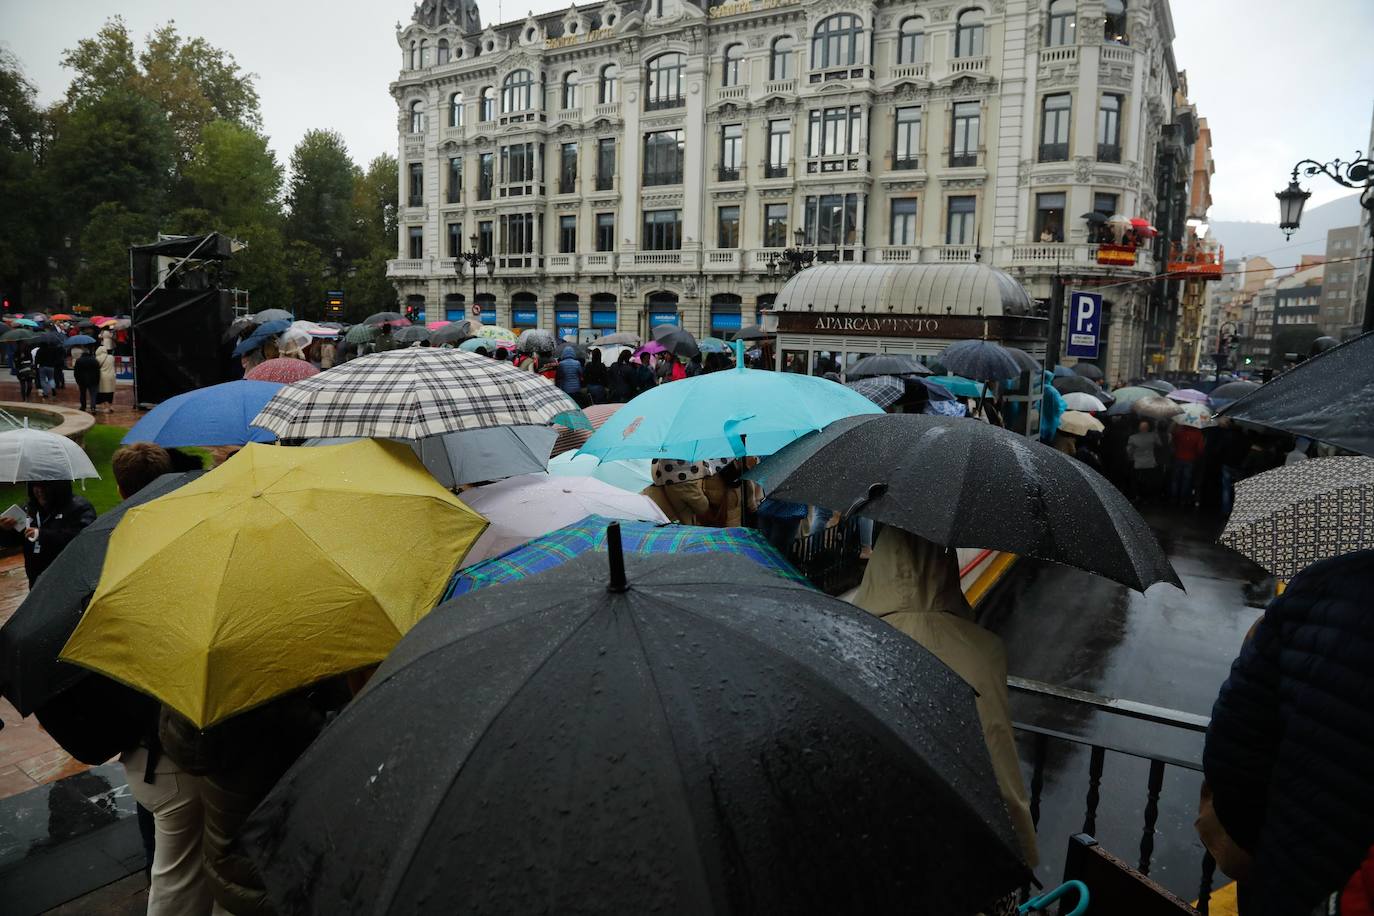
x=1277 y=80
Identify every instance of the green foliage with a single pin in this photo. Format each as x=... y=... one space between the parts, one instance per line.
x=21 y=128
x=320 y=196
x=233 y=175
x=102 y=281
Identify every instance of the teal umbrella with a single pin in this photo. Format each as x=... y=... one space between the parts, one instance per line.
x=735 y=412
x=473 y=343
x=961 y=387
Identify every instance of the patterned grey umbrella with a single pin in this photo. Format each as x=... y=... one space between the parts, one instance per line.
x=536 y=340
x=1156 y=407
x=883 y=390
x=1291 y=517
x=413 y=393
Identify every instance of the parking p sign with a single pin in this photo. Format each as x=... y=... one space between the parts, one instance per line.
x=1085 y=322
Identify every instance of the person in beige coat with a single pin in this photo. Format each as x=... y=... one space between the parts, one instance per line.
x=106 y=391
x=914 y=585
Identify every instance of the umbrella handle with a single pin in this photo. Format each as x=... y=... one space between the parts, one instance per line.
x=1039 y=904
x=616 y=552
x=874 y=491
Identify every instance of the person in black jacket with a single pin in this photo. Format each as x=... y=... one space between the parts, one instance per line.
x=56 y=515
x=1288 y=802
x=86 y=372
x=622 y=378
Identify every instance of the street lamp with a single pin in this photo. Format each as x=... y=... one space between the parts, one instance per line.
x=1225 y=340
x=1357 y=174
x=473 y=259
x=797 y=258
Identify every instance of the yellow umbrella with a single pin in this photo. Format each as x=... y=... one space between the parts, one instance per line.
x=280 y=568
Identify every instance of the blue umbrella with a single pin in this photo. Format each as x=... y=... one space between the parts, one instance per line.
x=735 y=412
x=78 y=340
x=217 y=415
x=259 y=336
x=959 y=386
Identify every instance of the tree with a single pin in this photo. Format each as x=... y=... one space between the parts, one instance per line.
x=102 y=282
x=320 y=195
x=116 y=148
x=22 y=228
x=101 y=64
x=233 y=175
x=376 y=202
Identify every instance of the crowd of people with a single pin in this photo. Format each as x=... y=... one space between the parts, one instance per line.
x=40 y=366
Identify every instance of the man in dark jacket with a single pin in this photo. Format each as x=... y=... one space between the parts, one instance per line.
x=56 y=516
x=1288 y=803
x=86 y=372
x=622 y=378
x=644 y=375
x=569 y=375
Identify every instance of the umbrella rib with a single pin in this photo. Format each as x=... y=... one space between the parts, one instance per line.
x=391 y=892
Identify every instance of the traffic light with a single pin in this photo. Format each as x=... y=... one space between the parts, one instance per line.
x=412 y=314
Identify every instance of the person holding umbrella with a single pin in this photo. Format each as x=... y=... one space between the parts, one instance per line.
x=86 y=372
x=107 y=378
x=22 y=367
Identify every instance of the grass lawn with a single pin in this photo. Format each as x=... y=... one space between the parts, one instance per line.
x=101 y=443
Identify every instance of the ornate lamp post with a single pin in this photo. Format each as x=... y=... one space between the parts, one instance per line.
x=1357 y=174
x=797 y=258
x=473 y=259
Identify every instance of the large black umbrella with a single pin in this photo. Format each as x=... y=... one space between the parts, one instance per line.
x=1223 y=396
x=1158 y=384
x=709 y=739
x=966 y=484
x=1088 y=370
x=676 y=340
x=453 y=333
x=1330 y=397
x=898 y=364
x=383 y=318
x=1068 y=384
x=752 y=332
x=30 y=673
x=980 y=360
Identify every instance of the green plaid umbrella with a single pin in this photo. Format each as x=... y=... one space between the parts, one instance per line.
x=558 y=547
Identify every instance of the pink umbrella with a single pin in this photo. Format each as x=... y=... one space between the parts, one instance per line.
x=652 y=347
x=1187 y=396
x=281 y=369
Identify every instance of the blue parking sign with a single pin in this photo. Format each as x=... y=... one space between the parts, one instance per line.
x=1085 y=324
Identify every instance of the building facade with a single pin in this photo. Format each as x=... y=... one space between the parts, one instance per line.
x=1338 y=316
x=623 y=166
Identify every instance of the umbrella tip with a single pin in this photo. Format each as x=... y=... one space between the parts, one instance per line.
x=618 y=584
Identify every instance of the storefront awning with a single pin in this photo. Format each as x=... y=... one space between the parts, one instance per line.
x=905 y=289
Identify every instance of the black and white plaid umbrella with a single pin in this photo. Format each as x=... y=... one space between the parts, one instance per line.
x=1291 y=517
x=883 y=390
x=414 y=393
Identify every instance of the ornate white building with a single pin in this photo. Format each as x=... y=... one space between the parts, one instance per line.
x=626 y=165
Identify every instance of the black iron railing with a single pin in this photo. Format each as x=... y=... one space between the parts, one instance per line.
x=1108 y=152
x=1054 y=152
x=829 y=559
x=1041 y=738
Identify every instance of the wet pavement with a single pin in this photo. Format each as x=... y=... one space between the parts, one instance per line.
x=1167 y=647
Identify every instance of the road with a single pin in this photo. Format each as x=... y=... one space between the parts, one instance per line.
x=1166 y=647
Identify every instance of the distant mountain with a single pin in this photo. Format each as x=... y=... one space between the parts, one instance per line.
x=1250 y=239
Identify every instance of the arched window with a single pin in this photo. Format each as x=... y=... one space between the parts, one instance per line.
x=911 y=42
x=835 y=43
x=414 y=55
x=455 y=110
x=570 y=101
x=666 y=75
x=968 y=35
x=488 y=112
x=424 y=53
x=441 y=55
x=517 y=91
x=729 y=75
x=1114 y=25
x=780 y=58
x=609 y=90
x=1060 y=29
x=417 y=117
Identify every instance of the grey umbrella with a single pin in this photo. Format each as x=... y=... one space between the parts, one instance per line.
x=1158 y=384
x=267 y=315
x=966 y=484
x=898 y=364
x=413 y=334
x=698 y=736
x=537 y=340
x=1224 y=395
x=1328 y=398
x=1088 y=370
x=883 y=390
x=383 y=317
x=622 y=338
x=980 y=360
x=677 y=341
x=1068 y=384
x=454 y=333
x=1155 y=407
x=752 y=332
x=478 y=455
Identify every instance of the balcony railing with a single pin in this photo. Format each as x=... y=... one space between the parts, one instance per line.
x=605 y=182
x=656 y=177
x=483 y=191
x=898 y=254
x=599 y=262
x=968 y=65
x=407 y=267
x=454 y=195
x=1054 y=152
x=560 y=263
x=567 y=184
x=608 y=110
x=1178 y=724
x=774 y=171
x=906 y=163
x=661 y=104
x=415 y=200
x=1116 y=54
x=963 y=160
x=786 y=87
x=909 y=71
x=731 y=93
x=1108 y=152
x=955 y=254
x=728 y=173
x=1058 y=55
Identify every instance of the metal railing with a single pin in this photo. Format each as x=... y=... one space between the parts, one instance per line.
x=605 y=182
x=829 y=559
x=1108 y=152
x=1097 y=760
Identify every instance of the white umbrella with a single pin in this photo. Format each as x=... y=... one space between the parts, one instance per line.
x=1198 y=416
x=633 y=474
x=526 y=507
x=1077 y=423
x=32 y=454
x=1078 y=400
